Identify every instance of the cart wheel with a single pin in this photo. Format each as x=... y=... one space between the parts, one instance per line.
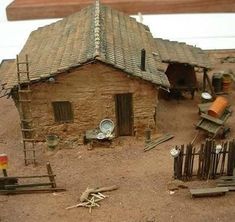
x=226 y=132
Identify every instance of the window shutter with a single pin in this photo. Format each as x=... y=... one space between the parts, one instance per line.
x=62 y=111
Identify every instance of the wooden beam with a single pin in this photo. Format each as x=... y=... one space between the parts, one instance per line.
x=209 y=83
x=38 y=9
x=208 y=191
x=29 y=191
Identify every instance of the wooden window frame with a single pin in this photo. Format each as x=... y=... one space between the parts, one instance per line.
x=63 y=112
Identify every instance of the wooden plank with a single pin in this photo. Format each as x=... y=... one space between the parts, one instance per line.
x=203 y=192
x=25 y=177
x=14 y=186
x=223 y=158
x=226 y=178
x=231 y=159
x=38 y=9
x=231 y=188
x=158 y=141
x=29 y=191
x=212 y=119
x=225 y=184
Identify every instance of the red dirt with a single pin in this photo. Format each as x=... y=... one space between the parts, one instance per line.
x=142 y=176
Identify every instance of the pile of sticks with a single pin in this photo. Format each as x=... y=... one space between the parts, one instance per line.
x=90 y=202
x=91 y=196
x=210 y=162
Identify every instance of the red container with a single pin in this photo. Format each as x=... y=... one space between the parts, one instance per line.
x=3 y=161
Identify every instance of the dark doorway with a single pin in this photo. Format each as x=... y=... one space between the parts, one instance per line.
x=124 y=114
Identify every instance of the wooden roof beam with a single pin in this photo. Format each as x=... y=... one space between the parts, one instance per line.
x=38 y=9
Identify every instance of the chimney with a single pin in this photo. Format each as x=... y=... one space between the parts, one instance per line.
x=143 y=55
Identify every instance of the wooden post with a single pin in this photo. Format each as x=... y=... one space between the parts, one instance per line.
x=147 y=135
x=4 y=172
x=204 y=81
x=51 y=175
x=206 y=78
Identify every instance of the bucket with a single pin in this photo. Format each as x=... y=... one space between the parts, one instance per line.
x=52 y=141
x=206 y=97
x=217 y=107
x=227 y=82
x=217 y=82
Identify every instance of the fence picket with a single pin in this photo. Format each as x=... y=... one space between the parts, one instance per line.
x=208 y=161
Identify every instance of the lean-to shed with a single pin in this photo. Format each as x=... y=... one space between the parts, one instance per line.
x=182 y=60
x=85 y=68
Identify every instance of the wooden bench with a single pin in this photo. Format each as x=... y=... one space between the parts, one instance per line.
x=205 y=192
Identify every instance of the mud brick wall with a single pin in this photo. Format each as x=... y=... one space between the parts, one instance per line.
x=91 y=91
x=222 y=60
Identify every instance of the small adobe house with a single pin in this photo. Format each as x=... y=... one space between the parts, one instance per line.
x=181 y=60
x=85 y=68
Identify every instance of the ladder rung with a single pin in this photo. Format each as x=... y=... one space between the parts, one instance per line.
x=27 y=120
x=22 y=72
x=28 y=140
x=21 y=63
x=24 y=90
x=25 y=101
x=33 y=150
x=30 y=159
x=27 y=130
x=19 y=82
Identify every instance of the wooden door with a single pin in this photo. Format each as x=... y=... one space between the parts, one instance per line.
x=124 y=114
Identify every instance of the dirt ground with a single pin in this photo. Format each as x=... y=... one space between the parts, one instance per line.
x=142 y=177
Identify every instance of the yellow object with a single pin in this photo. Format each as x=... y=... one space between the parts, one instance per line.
x=3 y=161
x=218 y=107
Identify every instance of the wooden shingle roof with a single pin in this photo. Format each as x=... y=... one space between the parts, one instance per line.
x=95 y=33
x=178 y=52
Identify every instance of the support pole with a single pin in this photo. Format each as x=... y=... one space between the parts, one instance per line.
x=209 y=83
x=4 y=172
x=147 y=135
x=204 y=80
x=51 y=175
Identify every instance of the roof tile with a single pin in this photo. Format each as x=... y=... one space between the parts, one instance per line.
x=96 y=31
x=172 y=51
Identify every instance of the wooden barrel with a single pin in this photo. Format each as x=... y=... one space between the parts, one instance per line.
x=217 y=107
x=227 y=83
x=3 y=161
x=217 y=82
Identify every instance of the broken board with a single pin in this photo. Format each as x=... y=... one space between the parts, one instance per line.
x=208 y=192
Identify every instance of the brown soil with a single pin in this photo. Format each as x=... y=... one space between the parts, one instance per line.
x=141 y=176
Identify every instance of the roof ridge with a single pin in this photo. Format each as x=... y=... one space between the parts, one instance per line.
x=97 y=28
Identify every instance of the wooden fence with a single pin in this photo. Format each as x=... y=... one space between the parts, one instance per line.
x=207 y=162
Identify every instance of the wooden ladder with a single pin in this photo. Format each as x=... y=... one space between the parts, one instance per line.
x=24 y=93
